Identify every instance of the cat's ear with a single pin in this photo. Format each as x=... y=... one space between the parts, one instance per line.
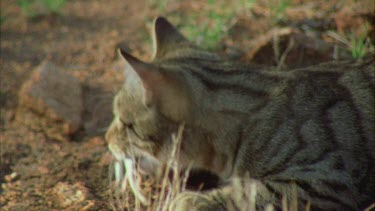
x=133 y=83
x=166 y=38
x=155 y=87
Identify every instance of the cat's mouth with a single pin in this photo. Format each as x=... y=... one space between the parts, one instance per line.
x=145 y=162
x=126 y=174
x=136 y=149
x=129 y=167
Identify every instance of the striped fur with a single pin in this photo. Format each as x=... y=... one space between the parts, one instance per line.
x=309 y=130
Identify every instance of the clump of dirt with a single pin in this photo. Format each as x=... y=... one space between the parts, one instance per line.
x=42 y=170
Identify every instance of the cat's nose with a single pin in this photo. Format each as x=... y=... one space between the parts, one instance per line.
x=106 y=136
x=109 y=133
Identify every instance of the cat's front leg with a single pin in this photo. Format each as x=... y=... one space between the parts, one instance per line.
x=232 y=196
x=238 y=194
x=197 y=201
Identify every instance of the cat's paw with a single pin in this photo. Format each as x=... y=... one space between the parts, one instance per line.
x=193 y=201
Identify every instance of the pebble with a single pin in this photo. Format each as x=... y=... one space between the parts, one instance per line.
x=71 y=195
x=11 y=177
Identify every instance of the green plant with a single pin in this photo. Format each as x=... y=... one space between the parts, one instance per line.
x=208 y=30
x=207 y=26
x=25 y=6
x=53 y=5
x=246 y=5
x=160 y=5
x=278 y=10
x=34 y=8
x=359 y=47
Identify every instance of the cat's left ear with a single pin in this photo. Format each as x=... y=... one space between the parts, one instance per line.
x=166 y=38
x=156 y=87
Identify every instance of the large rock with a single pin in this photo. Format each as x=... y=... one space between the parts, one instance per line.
x=54 y=94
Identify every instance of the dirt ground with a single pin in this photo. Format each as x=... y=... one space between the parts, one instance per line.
x=38 y=172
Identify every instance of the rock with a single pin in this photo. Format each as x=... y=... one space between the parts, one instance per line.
x=11 y=177
x=99 y=97
x=55 y=94
x=72 y=196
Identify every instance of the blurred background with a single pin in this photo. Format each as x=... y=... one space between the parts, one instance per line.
x=45 y=164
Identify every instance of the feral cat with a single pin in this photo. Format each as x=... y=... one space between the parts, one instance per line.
x=309 y=131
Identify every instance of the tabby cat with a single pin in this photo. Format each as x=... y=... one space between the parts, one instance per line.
x=309 y=131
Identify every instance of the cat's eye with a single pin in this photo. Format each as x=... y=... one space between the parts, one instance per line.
x=128 y=125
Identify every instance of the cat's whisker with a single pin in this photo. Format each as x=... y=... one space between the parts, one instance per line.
x=119 y=172
x=252 y=195
x=124 y=184
x=116 y=175
x=131 y=177
x=117 y=153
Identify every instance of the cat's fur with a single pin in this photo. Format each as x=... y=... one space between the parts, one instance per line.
x=311 y=129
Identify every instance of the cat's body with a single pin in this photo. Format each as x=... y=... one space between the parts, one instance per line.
x=309 y=130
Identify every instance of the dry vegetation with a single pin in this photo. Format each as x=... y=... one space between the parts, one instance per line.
x=158 y=193
x=150 y=194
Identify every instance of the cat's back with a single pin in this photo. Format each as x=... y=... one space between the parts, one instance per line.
x=322 y=119
x=341 y=91
x=341 y=97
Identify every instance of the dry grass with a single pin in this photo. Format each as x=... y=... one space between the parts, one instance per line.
x=146 y=193
x=371 y=207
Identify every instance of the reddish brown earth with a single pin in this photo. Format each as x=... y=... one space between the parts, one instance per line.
x=38 y=170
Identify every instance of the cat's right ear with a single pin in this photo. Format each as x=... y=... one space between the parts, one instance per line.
x=136 y=76
x=166 y=38
x=155 y=87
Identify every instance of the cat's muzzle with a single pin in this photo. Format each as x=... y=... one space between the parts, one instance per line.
x=128 y=167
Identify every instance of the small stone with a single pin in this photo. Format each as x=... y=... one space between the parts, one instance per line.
x=11 y=177
x=43 y=170
x=68 y=195
x=4 y=186
x=54 y=94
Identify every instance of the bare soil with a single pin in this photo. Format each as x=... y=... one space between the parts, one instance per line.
x=38 y=172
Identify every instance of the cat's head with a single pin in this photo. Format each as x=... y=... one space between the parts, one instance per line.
x=154 y=99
